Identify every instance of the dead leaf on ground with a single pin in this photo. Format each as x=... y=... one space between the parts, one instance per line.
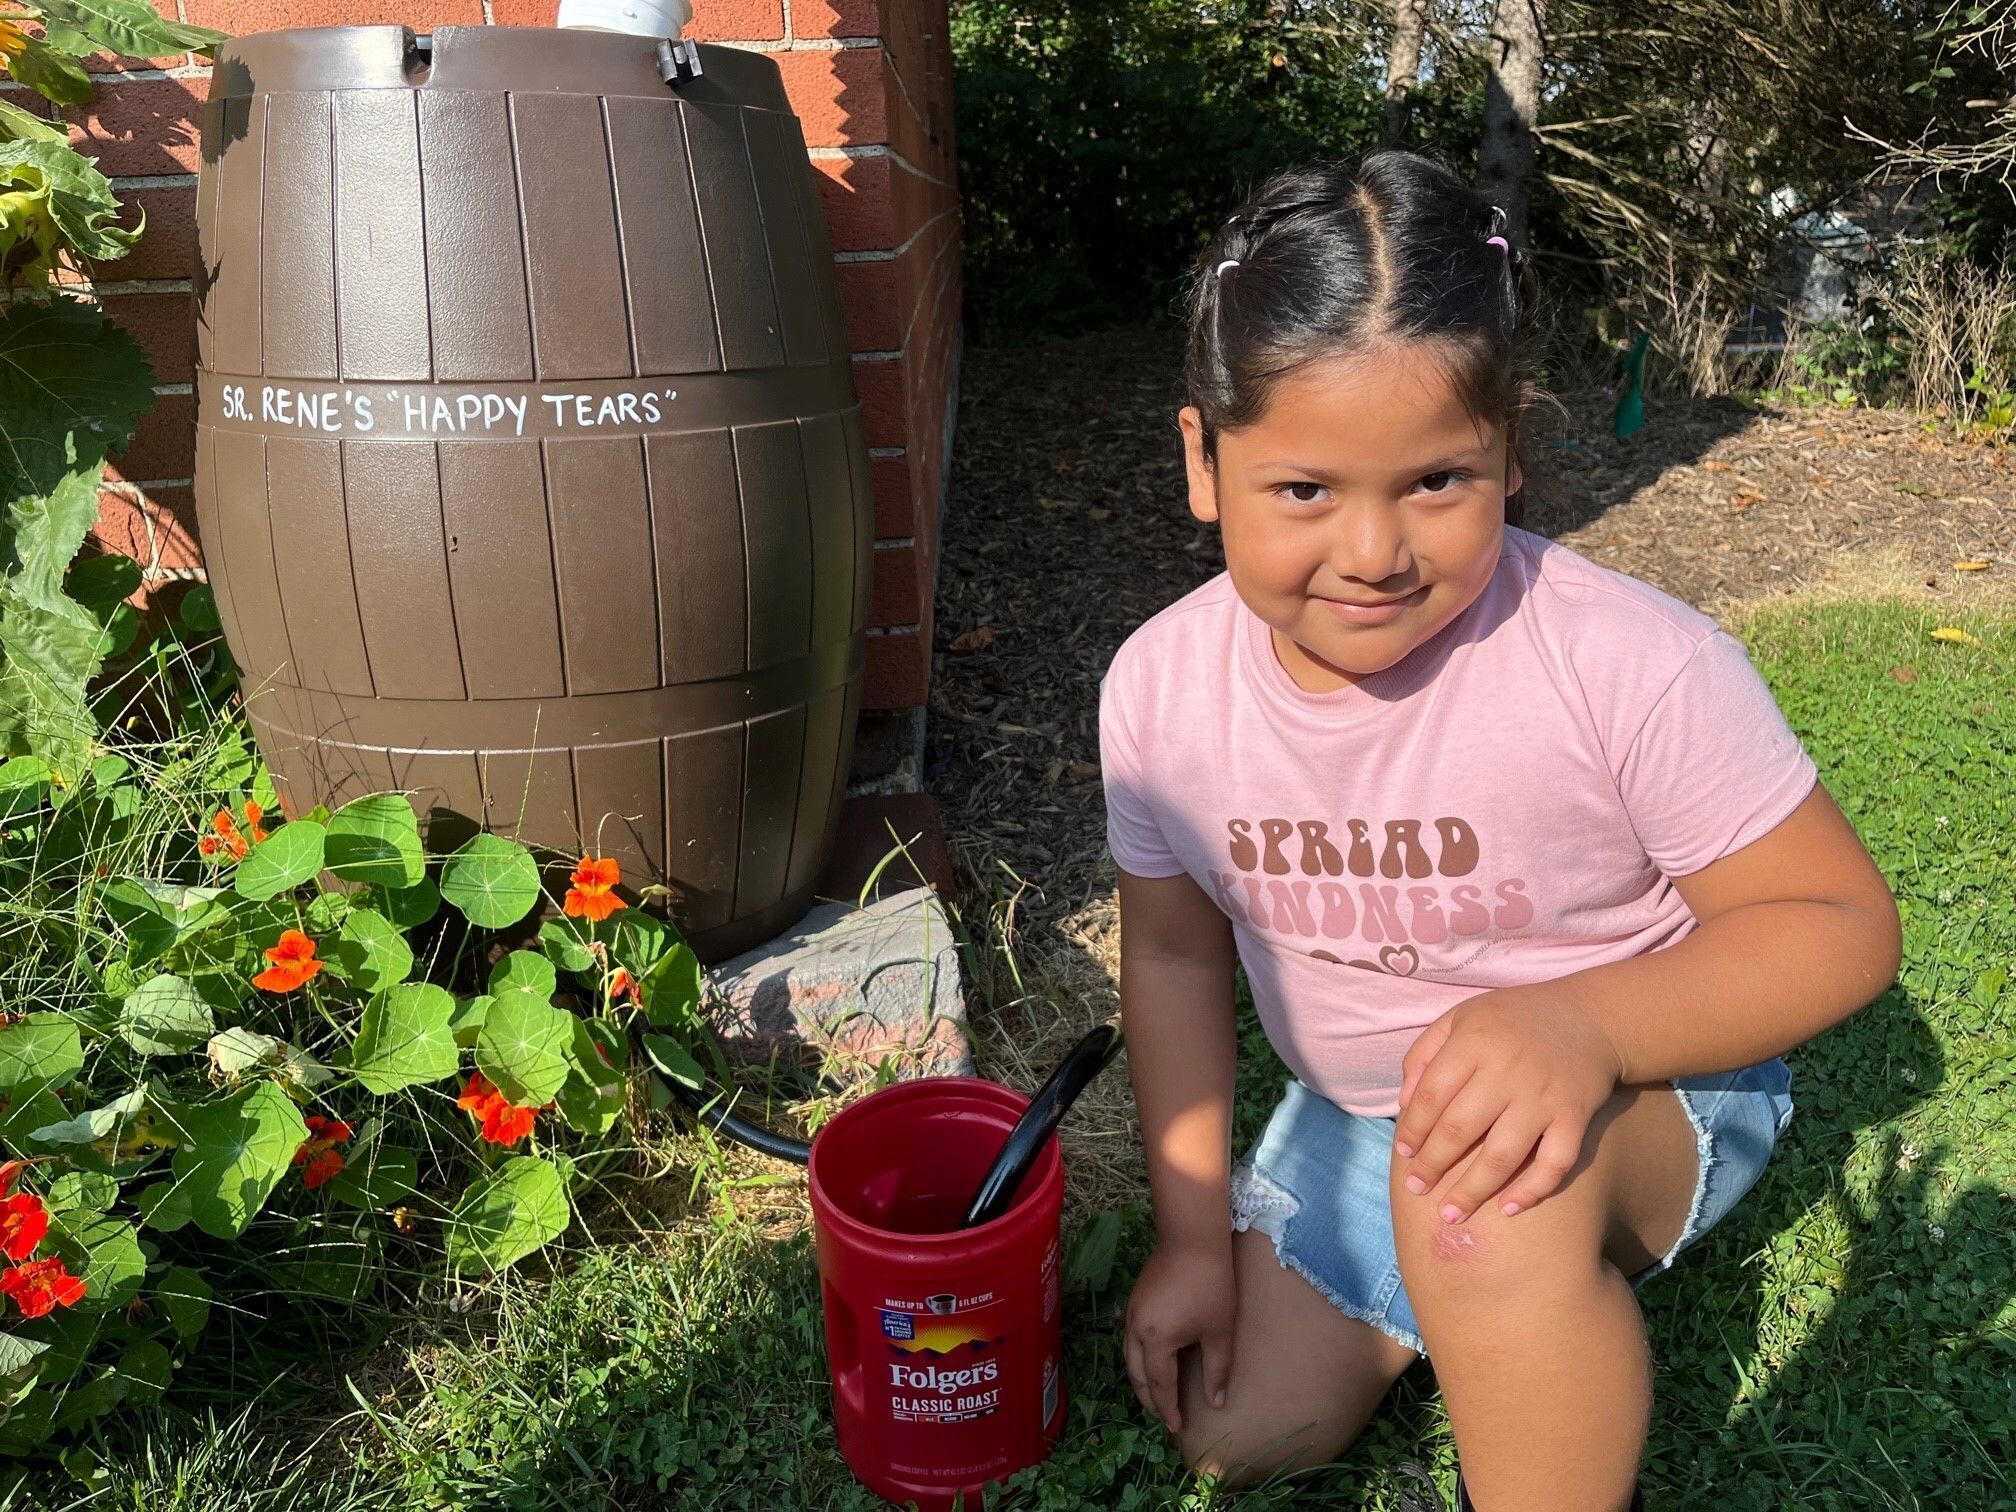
x=1904 y=674
x=1971 y=566
x=980 y=638
x=1954 y=636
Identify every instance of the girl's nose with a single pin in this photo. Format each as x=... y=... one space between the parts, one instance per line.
x=1369 y=544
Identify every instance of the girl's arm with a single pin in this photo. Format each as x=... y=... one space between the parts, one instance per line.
x=1176 y=955
x=1797 y=931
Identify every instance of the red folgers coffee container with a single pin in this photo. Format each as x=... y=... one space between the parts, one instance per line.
x=944 y=1344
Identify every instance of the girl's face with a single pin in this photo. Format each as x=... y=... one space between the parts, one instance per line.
x=1361 y=512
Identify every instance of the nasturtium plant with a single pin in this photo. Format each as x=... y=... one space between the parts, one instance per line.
x=265 y=1082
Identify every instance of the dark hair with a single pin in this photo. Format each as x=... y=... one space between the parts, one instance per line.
x=1333 y=259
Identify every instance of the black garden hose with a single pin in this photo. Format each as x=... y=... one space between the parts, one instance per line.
x=714 y=1112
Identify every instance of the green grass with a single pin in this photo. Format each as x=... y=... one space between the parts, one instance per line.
x=1843 y=1340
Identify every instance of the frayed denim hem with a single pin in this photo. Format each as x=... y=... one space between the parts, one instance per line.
x=1704 y=1157
x=1258 y=1202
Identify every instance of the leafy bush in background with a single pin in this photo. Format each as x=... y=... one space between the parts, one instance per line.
x=1100 y=145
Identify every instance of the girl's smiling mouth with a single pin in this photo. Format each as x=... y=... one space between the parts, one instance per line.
x=1377 y=613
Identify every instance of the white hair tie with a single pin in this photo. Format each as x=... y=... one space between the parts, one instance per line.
x=1230 y=262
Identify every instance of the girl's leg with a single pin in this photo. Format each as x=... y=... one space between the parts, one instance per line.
x=1534 y=1332
x=1305 y=1378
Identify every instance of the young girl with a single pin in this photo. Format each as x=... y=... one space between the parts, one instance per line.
x=1531 y=880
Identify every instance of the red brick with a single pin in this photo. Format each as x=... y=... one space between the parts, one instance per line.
x=736 y=21
x=895 y=499
x=898 y=672
x=883 y=412
x=896 y=599
x=140 y=126
x=164 y=445
x=167 y=248
x=855 y=193
x=838 y=97
x=156 y=529
x=161 y=324
x=868 y=295
x=834 y=18
x=241 y=16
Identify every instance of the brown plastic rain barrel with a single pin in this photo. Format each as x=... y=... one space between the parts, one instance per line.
x=530 y=472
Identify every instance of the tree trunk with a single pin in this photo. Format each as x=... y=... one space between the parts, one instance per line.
x=1403 y=68
x=1517 y=55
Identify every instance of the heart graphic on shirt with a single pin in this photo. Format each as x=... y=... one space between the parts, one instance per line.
x=1392 y=955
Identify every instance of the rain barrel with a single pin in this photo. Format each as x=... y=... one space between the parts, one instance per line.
x=530 y=472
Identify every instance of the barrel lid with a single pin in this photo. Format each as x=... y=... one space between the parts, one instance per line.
x=519 y=59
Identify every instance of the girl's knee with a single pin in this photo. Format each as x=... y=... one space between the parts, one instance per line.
x=1488 y=1254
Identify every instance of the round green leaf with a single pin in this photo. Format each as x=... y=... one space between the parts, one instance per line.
x=92 y=1191
x=165 y=1016
x=591 y=1099
x=378 y=1178
x=281 y=862
x=404 y=1039
x=40 y=1050
x=522 y=1047
x=198 y=611
x=506 y=1215
x=18 y=1359
x=669 y=1056
x=369 y=953
x=468 y=1020
x=145 y=1369
x=523 y=970
x=564 y=946
x=492 y=880
x=376 y=839
x=234 y=1153
x=409 y=907
x=185 y=1297
x=104 y=1250
x=671 y=988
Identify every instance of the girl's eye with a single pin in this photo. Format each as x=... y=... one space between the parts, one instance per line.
x=1290 y=488
x=1455 y=476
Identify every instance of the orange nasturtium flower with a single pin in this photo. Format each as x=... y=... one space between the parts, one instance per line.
x=318 y=1152
x=41 y=1286
x=23 y=1222
x=593 y=894
x=503 y=1122
x=229 y=839
x=622 y=985
x=293 y=963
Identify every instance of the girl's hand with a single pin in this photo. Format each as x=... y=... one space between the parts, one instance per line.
x=1512 y=1068
x=1184 y=1295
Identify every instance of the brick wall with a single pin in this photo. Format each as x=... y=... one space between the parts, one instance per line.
x=871 y=82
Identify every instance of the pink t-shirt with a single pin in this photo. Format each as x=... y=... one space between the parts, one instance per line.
x=1504 y=805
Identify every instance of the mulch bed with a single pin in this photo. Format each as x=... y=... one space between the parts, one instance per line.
x=1067 y=526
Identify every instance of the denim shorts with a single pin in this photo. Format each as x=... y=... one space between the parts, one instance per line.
x=1316 y=1182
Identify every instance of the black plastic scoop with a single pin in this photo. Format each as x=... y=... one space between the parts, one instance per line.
x=1046 y=1110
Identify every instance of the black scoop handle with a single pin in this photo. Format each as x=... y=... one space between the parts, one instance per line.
x=1039 y=1121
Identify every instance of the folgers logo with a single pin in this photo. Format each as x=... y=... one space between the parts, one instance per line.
x=945 y=1382
x=948 y=1372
